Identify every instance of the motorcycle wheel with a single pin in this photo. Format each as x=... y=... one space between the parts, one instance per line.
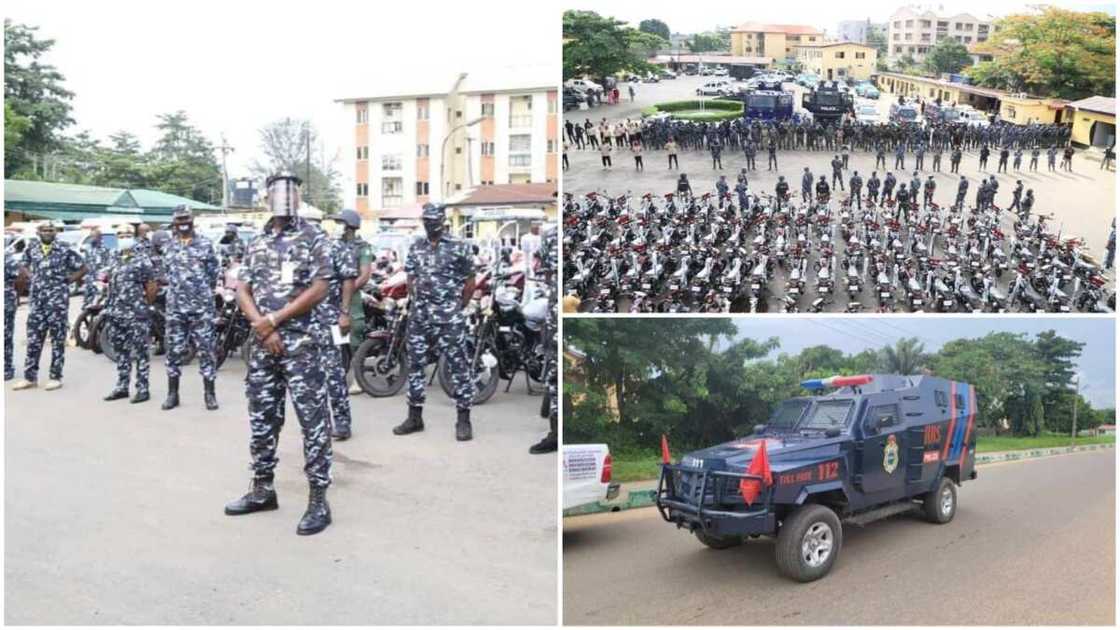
x=106 y=343
x=377 y=373
x=221 y=350
x=83 y=329
x=485 y=379
x=246 y=348
x=99 y=322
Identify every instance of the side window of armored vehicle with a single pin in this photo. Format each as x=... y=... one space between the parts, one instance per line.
x=941 y=398
x=959 y=401
x=827 y=414
x=880 y=418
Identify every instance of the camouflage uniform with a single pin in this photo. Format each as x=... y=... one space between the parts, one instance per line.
x=191 y=270
x=326 y=313
x=143 y=247
x=303 y=250
x=130 y=326
x=548 y=270
x=437 y=274
x=11 y=300
x=97 y=258
x=49 y=303
x=362 y=253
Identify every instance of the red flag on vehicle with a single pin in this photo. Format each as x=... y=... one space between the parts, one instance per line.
x=664 y=449
x=760 y=466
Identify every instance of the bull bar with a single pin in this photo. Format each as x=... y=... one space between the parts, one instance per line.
x=705 y=515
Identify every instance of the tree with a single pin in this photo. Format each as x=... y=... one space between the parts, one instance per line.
x=877 y=39
x=1055 y=52
x=947 y=56
x=705 y=42
x=123 y=163
x=599 y=47
x=284 y=144
x=655 y=27
x=183 y=162
x=34 y=94
x=906 y=357
x=905 y=63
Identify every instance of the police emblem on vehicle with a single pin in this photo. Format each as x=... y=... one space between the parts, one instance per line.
x=890 y=455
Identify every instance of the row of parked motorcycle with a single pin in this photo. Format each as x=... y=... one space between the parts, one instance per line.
x=684 y=253
x=505 y=318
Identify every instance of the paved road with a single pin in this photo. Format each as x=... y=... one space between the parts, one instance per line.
x=114 y=513
x=1033 y=542
x=1088 y=217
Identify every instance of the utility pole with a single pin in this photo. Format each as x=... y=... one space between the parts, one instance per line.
x=307 y=139
x=225 y=148
x=1076 y=393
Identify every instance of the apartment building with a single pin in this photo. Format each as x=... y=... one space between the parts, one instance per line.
x=778 y=41
x=838 y=60
x=409 y=148
x=912 y=31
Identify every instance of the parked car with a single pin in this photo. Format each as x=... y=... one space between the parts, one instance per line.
x=584 y=85
x=866 y=90
x=720 y=87
x=587 y=475
x=651 y=78
x=668 y=74
x=867 y=113
x=573 y=99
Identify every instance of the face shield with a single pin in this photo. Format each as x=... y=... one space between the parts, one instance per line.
x=283 y=195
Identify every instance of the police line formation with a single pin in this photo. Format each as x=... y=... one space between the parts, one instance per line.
x=302 y=300
x=887 y=242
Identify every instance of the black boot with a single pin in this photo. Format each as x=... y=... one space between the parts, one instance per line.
x=318 y=514
x=261 y=496
x=117 y=394
x=463 y=426
x=341 y=433
x=141 y=396
x=548 y=443
x=414 y=423
x=172 y=400
x=208 y=395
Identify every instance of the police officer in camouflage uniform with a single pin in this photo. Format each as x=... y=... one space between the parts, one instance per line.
x=549 y=255
x=52 y=266
x=132 y=287
x=362 y=252
x=191 y=267
x=286 y=273
x=440 y=283
x=332 y=312
x=11 y=301
x=97 y=258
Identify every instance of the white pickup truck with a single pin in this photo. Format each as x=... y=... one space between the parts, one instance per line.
x=587 y=475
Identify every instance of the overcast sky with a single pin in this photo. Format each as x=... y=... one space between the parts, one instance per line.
x=704 y=15
x=235 y=66
x=855 y=334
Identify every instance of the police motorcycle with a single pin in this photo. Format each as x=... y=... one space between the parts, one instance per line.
x=84 y=330
x=380 y=364
x=231 y=327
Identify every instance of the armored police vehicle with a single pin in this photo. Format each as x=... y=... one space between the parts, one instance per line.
x=768 y=105
x=904 y=113
x=827 y=102
x=874 y=446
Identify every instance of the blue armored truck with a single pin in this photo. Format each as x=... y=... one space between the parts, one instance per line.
x=867 y=447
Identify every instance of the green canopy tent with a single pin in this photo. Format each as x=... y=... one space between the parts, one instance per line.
x=74 y=202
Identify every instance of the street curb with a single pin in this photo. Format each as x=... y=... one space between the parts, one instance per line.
x=644 y=498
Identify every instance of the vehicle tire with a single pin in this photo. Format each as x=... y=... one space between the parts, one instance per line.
x=485 y=380
x=83 y=329
x=246 y=348
x=808 y=543
x=220 y=351
x=940 y=504
x=718 y=542
x=99 y=322
x=105 y=343
x=375 y=372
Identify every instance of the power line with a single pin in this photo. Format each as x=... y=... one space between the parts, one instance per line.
x=870 y=331
x=823 y=323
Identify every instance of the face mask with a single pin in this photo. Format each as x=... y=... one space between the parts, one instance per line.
x=126 y=244
x=46 y=237
x=433 y=228
x=184 y=228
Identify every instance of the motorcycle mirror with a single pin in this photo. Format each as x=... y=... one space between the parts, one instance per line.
x=759 y=428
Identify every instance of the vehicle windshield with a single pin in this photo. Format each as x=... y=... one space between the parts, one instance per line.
x=907 y=114
x=828 y=98
x=868 y=109
x=827 y=414
x=788 y=413
x=762 y=101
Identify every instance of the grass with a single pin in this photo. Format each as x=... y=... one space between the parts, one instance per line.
x=714 y=110
x=640 y=466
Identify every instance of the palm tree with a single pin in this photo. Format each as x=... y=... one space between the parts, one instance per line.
x=906 y=357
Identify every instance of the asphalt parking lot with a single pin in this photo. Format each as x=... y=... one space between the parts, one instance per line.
x=113 y=512
x=1081 y=201
x=1032 y=543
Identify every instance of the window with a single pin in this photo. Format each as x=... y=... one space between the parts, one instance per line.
x=1010 y=112
x=421 y=188
x=959 y=401
x=861 y=55
x=827 y=414
x=488 y=110
x=940 y=398
x=391 y=126
x=897 y=24
x=958 y=26
x=422 y=150
x=363 y=115
x=925 y=37
x=840 y=54
x=488 y=148
x=925 y=23
x=363 y=153
x=458 y=150
x=967 y=39
x=391 y=191
x=552 y=106
x=910 y=49
x=897 y=37
x=519 y=121
x=391 y=162
x=908 y=36
x=942 y=24
x=898 y=50
x=968 y=27
x=422 y=112
x=520 y=159
x=487 y=182
x=363 y=189
x=391 y=111
x=520 y=143
x=909 y=23
x=880 y=417
x=552 y=146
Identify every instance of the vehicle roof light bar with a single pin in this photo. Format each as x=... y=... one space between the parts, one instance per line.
x=837 y=381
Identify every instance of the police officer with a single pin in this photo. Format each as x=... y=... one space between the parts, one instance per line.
x=900 y=156
x=440 y=281
x=232 y=245
x=807 y=186
x=1034 y=159
x=1051 y=154
x=1017 y=195
x=927 y=192
x=880 y=155
x=823 y=189
x=716 y=151
x=286 y=273
x=143 y=240
x=331 y=316
x=549 y=262
x=781 y=189
x=11 y=301
x=873 y=187
x=888 y=185
x=837 y=176
x=920 y=157
x=962 y=191
x=721 y=189
x=741 y=190
x=751 y=150
x=132 y=287
x=1017 y=159
x=984 y=152
x=362 y=253
x=97 y=259
x=1027 y=204
x=937 y=150
x=772 y=156
x=915 y=186
x=955 y=160
x=52 y=266
x=191 y=267
x=856 y=185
